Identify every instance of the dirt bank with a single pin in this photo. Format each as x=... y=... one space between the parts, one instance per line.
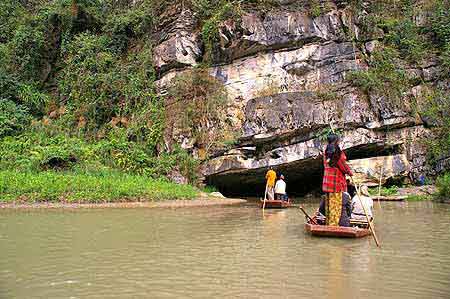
x=201 y=202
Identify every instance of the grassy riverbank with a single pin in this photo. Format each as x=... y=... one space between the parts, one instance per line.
x=101 y=187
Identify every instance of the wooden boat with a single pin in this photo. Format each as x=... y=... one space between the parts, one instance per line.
x=276 y=204
x=336 y=231
x=390 y=198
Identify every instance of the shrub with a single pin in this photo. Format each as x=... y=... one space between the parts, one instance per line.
x=212 y=13
x=440 y=22
x=406 y=37
x=101 y=89
x=9 y=84
x=317 y=8
x=11 y=15
x=26 y=51
x=384 y=76
x=445 y=60
x=13 y=118
x=198 y=103
x=122 y=26
x=39 y=151
x=443 y=186
x=436 y=111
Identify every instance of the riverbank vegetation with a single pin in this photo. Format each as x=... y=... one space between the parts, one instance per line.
x=87 y=187
x=443 y=187
x=78 y=104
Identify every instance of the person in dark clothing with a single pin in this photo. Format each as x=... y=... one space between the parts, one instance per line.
x=346 y=211
x=351 y=189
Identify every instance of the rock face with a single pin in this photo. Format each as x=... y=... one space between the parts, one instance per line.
x=285 y=75
x=180 y=45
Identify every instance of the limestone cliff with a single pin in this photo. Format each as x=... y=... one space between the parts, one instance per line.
x=285 y=73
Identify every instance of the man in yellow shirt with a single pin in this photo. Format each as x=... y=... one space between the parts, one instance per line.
x=271 y=176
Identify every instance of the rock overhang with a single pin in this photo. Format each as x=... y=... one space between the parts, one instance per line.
x=369 y=153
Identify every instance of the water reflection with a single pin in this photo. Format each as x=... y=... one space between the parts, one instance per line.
x=221 y=252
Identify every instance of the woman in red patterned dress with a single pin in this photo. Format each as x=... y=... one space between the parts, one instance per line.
x=334 y=183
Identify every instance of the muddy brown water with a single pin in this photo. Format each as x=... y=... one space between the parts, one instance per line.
x=220 y=252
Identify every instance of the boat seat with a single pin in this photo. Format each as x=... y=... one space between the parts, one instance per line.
x=359 y=223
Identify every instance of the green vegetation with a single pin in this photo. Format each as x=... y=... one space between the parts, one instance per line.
x=421 y=197
x=317 y=8
x=410 y=33
x=404 y=38
x=197 y=101
x=385 y=191
x=87 y=187
x=211 y=14
x=443 y=187
x=435 y=111
x=78 y=103
x=383 y=78
x=39 y=152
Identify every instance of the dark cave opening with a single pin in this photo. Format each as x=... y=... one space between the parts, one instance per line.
x=302 y=177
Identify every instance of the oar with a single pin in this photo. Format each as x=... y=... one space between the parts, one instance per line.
x=307 y=216
x=265 y=195
x=365 y=212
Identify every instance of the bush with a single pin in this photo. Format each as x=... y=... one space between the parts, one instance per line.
x=9 y=84
x=102 y=90
x=406 y=37
x=436 y=112
x=38 y=151
x=443 y=186
x=440 y=22
x=197 y=106
x=384 y=76
x=26 y=50
x=122 y=26
x=11 y=15
x=212 y=13
x=13 y=118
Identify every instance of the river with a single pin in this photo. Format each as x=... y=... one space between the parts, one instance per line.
x=220 y=252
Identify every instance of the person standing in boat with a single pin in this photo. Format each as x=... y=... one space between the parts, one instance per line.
x=271 y=176
x=358 y=210
x=280 y=189
x=334 y=183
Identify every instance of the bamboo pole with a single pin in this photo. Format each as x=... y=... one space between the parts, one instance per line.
x=379 y=185
x=265 y=196
x=372 y=230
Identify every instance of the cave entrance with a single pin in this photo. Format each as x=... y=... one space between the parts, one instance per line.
x=302 y=177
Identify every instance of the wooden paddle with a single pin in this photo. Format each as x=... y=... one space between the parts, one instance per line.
x=307 y=216
x=372 y=230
